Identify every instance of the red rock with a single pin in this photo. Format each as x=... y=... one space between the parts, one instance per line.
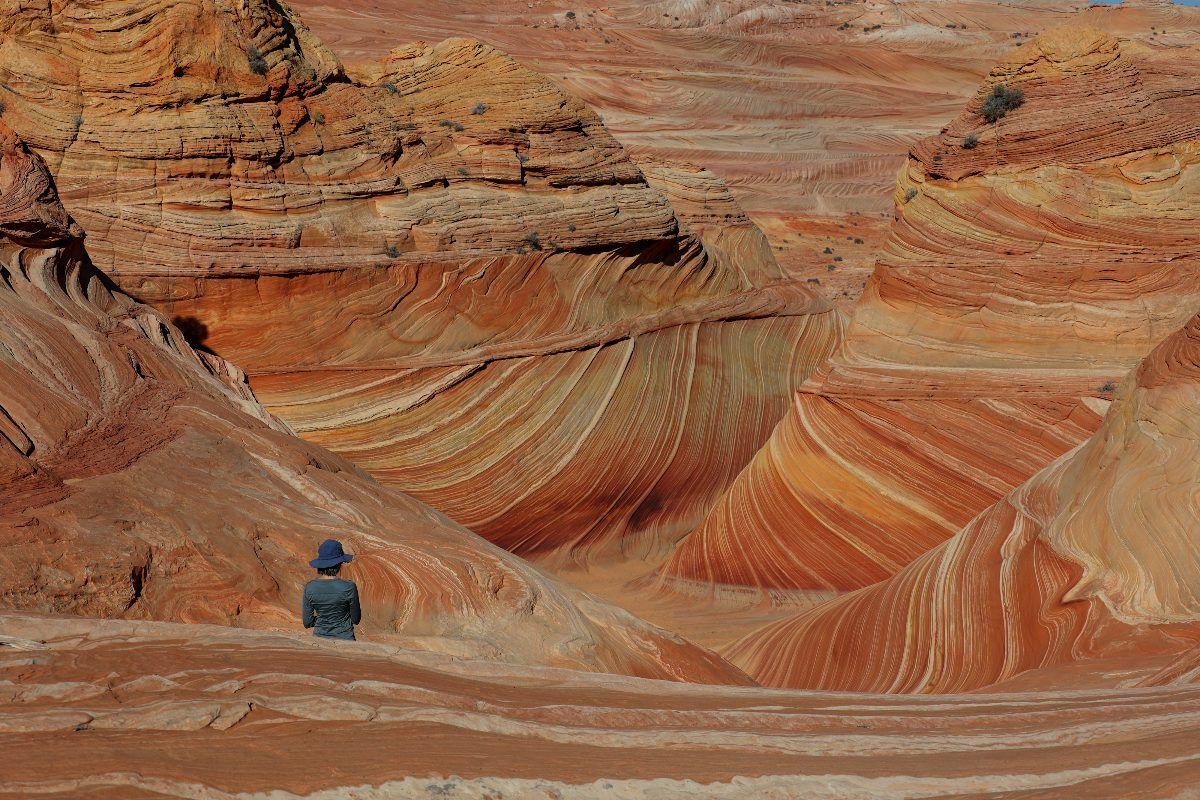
x=143 y=480
x=1021 y=280
x=441 y=266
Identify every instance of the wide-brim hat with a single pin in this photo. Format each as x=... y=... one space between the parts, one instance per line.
x=330 y=554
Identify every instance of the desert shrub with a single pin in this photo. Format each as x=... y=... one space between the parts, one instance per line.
x=450 y=124
x=970 y=142
x=570 y=15
x=1108 y=387
x=909 y=195
x=391 y=88
x=392 y=251
x=535 y=241
x=479 y=109
x=828 y=250
x=258 y=64
x=857 y=240
x=1001 y=101
x=318 y=118
x=814 y=280
x=837 y=258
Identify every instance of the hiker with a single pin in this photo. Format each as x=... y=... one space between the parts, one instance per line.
x=331 y=603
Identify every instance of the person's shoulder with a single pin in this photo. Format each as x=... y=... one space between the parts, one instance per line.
x=347 y=584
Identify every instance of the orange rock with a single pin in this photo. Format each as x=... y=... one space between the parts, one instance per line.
x=441 y=266
x=142 y=479
x=1094 y=557
x=1021 y=280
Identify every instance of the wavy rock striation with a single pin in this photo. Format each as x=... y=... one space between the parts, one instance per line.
x=1022 y=278
x=1094 y=557
x=142 y=479
x=442 y=267
x=118 y=709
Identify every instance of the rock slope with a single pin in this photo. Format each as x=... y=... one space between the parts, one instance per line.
x=441 y=266
x=1096 y=556
x=122 y=709
x=1023 y=277
x=142 y=479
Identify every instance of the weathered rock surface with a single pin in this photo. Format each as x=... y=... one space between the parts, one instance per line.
x=442 y=267
x=123 y=709
x=1096 y=556
x=1022 y=278
x=806 y=109
x=142 y=479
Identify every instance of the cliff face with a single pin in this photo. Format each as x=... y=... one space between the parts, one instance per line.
x=1094 y=557
x=442 y=267
x=142 y=479
x=1026 y=271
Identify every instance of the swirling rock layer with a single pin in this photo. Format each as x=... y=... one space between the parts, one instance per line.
x=806 y=109
x=142 y=479
x=120 y=709
x=1022 y=278
x=443 y=267
x=1095 y=556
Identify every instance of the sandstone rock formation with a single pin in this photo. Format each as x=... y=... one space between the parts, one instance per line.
x=1022 y=278
x=1096 y=556
x=806 y=109
x=142 y=479
x=203 y=712
x=442 y=267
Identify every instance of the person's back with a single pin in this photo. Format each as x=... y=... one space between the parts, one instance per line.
x=330 y=604
x=331 y=607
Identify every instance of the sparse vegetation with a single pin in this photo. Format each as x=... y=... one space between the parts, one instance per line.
x=450 y=124
x=392 y=251
x=391 y=88
x=837 y=258
x=814 y=280
x=2 y=107
x=535 y=241
x=1001 y=101
x=258 y=64
x=480 y=109
x=909 y=195
x=571 y=227
x=857 y=240
x=831 y=267
x=318 y=117
x=828 y=250
x=970 y=141
x=1108 y=387
x=570 y=15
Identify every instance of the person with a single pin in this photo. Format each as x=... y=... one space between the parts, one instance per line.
x=331 y=603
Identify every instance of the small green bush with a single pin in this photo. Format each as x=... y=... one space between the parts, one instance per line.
x=1001 y=101
x=318 y=118
x=392 y=251
x=535 y=241
x=480 y=109
x=909 y=195
x=970 y=142
x=828 y=250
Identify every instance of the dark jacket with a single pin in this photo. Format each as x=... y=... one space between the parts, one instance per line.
x=331 y=606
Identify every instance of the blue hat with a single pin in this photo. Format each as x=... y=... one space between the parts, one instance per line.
x=329 y=554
